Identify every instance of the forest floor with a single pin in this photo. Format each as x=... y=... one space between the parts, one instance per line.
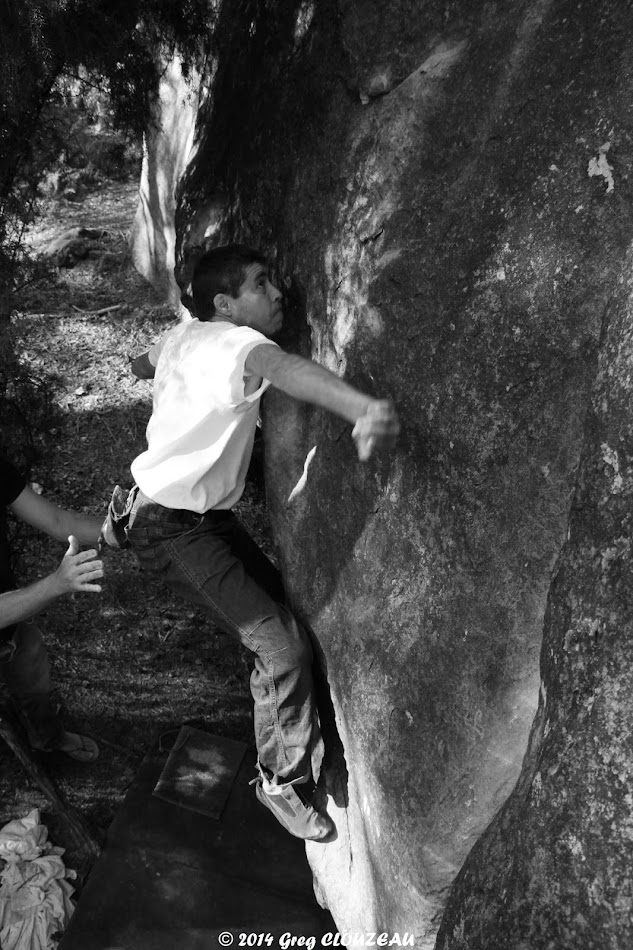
x=132 y=663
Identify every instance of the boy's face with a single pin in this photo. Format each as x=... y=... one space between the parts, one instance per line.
x=258 y=304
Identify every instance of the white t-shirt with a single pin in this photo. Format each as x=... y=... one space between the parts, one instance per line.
x=200 y=435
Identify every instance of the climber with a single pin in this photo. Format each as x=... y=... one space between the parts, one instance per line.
x=209 y=375
x=24 y=665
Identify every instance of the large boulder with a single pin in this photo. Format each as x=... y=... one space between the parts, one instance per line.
x=443 y=189
x=554 y=867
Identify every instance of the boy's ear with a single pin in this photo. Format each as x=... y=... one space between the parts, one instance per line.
x=222 y=304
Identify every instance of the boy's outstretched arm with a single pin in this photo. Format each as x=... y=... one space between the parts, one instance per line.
x=375 y=421
x=57 y=522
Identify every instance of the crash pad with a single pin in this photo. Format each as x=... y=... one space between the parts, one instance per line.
x=171 y=877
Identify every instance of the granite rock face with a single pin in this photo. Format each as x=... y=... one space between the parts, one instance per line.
x=444 y=191
x=554 y=867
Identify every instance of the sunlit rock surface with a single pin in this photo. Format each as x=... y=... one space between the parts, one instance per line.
x=444 y=191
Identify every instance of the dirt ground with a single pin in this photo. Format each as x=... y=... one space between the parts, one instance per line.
x=132 y=663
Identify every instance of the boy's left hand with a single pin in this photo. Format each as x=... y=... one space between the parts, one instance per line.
x=377 y=429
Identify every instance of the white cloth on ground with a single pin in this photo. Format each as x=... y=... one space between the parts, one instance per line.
x=34 y=893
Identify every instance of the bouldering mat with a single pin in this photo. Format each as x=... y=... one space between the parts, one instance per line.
x=170 y=878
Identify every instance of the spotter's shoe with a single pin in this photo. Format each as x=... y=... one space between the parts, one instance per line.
x=293 y=811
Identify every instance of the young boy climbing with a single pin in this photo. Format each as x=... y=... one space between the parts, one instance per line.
x=209 y=375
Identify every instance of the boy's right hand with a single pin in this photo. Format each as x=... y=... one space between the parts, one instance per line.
x=377 y=429
x=78 y=570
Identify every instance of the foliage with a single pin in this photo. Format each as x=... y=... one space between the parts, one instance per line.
x=118 y=42
x=63 y=65
x=113 y=46
x=27 y=401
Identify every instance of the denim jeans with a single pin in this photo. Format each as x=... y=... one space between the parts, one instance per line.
x=210 y=560
x=25 y=669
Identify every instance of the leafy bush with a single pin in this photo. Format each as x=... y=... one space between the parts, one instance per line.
x=26 y=402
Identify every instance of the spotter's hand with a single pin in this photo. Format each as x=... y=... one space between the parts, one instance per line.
x=378 y=429
x=78 y=570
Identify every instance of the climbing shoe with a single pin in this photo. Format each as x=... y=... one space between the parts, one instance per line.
x=293 y=811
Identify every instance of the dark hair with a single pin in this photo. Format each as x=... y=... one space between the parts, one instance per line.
x=221 y=271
